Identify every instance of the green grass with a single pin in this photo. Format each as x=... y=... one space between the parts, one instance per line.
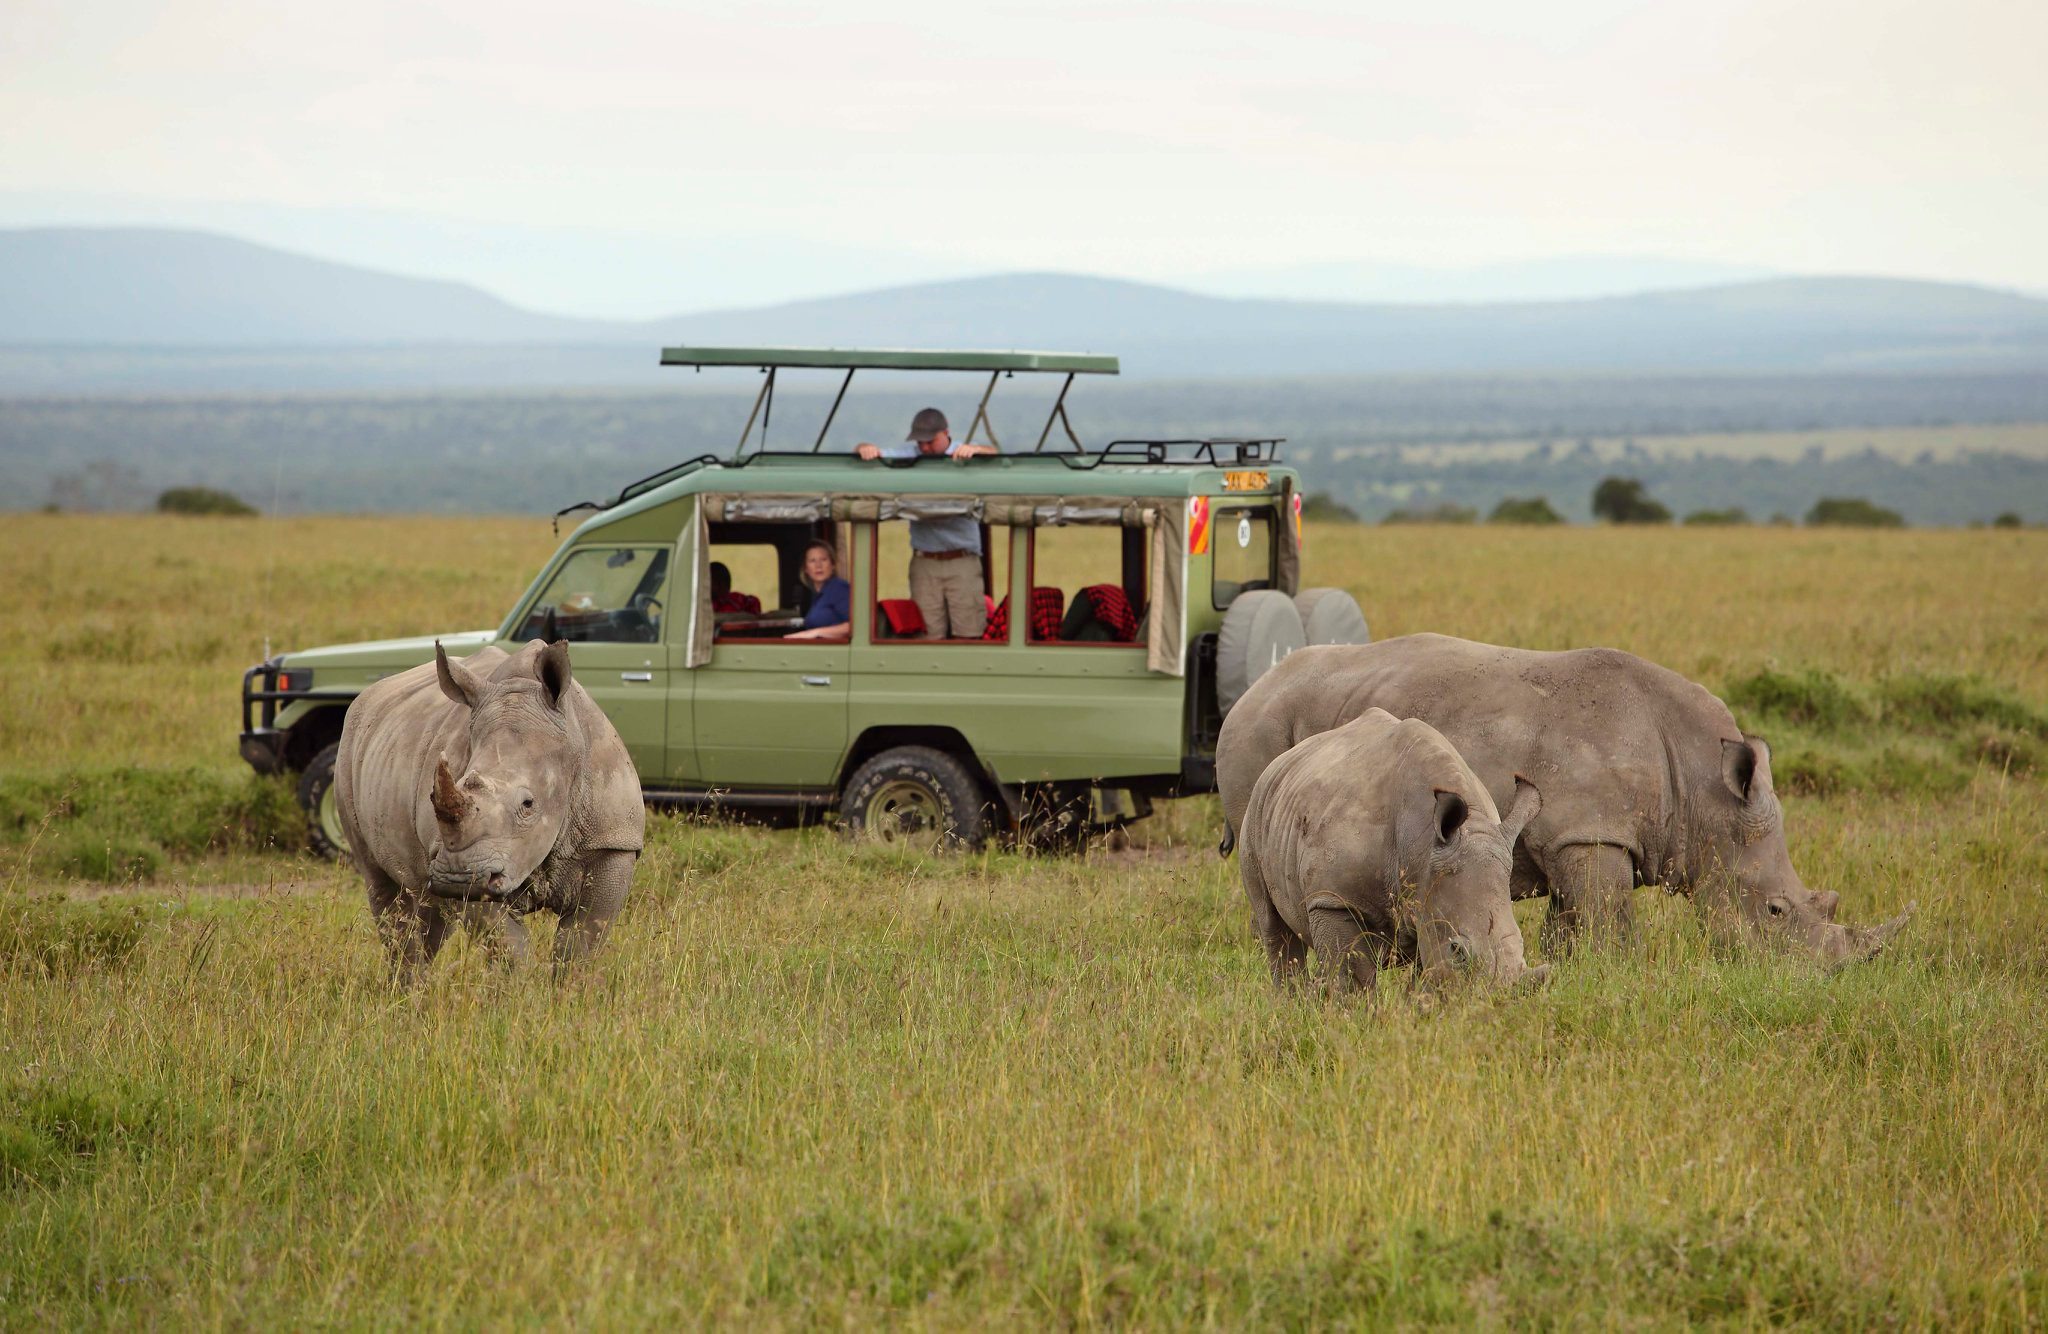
x=814 y=1084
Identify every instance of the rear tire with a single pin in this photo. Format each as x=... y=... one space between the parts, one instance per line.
x=1260 y=628
x=324 y=834
x=1331 y=616
x=914 y=796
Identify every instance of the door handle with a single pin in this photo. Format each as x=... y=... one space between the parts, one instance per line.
x=815 y=680
x=636 y=676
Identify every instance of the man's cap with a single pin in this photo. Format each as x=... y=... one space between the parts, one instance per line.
x=926 y=425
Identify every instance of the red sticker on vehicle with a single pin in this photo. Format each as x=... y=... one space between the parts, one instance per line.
x=1198 y=526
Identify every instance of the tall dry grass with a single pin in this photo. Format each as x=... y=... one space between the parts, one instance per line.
x=812 y=1084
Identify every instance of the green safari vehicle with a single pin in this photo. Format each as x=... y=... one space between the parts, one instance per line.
x=1131 y=592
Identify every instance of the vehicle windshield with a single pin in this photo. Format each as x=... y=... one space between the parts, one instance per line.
x=608 y=594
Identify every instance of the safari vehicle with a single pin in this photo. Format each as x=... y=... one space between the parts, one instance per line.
x=1133 y=592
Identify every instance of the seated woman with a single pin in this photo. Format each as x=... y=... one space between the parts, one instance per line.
x=830 y=615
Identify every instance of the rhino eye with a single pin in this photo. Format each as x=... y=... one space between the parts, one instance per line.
x=528 y=803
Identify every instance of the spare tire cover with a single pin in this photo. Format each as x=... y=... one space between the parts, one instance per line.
x=1331 y=616
x=1260 y=628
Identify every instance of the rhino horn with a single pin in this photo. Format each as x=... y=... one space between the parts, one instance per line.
x=1854 y=944
x=449 y=807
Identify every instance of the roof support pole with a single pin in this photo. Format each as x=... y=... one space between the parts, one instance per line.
x=1059 y=414
x=748 y=429
x=833 y=413
x=981 y=417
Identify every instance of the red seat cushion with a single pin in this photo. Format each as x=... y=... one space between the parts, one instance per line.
x=745 y=602
x=1113 y=609
x=901 y=616
x=1048 y=605
x=998 y=629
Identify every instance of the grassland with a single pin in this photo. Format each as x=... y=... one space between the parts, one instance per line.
x=814 y=1084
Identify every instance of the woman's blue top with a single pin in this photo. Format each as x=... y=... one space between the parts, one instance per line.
x=833 y=605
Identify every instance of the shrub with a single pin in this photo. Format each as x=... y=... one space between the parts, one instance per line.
x=1852 y=512
x=1804 y=699
x=1323 y=507
x=58 y=938
x=2009 y=519
x=1717 y=518
x=202 y=500
x=1534 y=509
x=1444 y=513
x=1623 y=500
x=1939 y=702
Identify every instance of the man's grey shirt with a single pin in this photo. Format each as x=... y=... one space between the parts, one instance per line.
x=959 y=533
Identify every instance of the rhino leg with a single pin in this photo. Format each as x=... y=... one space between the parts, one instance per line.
x=1590 y=884
x=410 y=924
x=502 y=936
x=1349 y=958
x=1286 y=953
x=605 y=879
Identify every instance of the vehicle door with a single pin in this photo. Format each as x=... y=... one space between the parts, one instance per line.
x=610 y=602
x=769 y=711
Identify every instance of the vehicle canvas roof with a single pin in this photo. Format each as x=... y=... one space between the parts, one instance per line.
x=1002 y=474
x=892 y=359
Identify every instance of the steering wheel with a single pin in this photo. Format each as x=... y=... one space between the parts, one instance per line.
x=649 y=606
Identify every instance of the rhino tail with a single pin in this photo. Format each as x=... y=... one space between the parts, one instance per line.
x=1229 y=843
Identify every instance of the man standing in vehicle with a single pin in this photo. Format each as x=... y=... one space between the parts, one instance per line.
x=945 y=554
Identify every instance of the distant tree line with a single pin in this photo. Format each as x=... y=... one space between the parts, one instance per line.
x=1624 y=500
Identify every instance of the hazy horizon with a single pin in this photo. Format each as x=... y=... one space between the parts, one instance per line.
x=614 y=161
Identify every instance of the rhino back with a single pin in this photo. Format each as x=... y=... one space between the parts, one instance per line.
x=1613 y=742
x=1342 y=812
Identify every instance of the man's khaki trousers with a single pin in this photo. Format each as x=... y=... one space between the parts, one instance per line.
x=948 y=596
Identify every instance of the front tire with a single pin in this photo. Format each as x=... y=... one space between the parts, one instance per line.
x=914 y=796
x=324 y=834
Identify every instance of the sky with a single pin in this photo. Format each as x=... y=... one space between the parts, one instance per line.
x=592 y=158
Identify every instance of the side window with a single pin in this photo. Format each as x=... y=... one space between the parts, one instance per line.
x=1243 y=547
x=762 y=584
x=604 y=595
x=1087 y=585
x=944 y=581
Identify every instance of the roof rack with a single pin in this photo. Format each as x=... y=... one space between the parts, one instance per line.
x=644 y=485
x=1199 y=453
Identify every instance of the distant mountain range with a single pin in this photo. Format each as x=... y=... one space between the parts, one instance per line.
x=83 y=301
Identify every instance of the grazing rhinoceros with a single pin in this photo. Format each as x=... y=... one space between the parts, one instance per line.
x=1645 y=776
x=1375 y=839
x=487 y=788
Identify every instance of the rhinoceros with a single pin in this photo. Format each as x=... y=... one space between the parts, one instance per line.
x=1645 y=775
x=482 y=790
x=1374 y=840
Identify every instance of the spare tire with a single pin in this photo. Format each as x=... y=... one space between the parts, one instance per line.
x=1260 y=628
x=1331 y=616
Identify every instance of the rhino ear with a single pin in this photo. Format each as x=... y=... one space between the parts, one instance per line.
x=1451 y=811
x=458 y=683
x=553 y=670
x=1746 y=768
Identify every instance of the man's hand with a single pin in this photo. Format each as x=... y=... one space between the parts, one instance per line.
x=867 y=451
x=972 y=451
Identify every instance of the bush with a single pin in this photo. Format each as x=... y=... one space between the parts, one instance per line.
x=1717 y=518
x=1323 y=507
x=1805 y=699
x=1534 y=509
x=120 y=824
x=2009 y=519
x=1852 y=512
x=1623 y=500
x=1444 y=513
x=202 y=500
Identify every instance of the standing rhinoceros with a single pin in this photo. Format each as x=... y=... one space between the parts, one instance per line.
x=487 y=788
x=1645 y=776
x=1376 y=839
